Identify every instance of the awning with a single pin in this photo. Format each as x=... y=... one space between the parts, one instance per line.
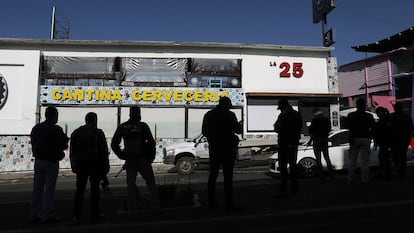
x=400 y=40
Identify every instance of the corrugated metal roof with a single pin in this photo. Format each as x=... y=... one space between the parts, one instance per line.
x=401 y=39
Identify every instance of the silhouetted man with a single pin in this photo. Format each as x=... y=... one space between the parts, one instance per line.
x=382 y=139
x=288 y=127
x=402 y=127
x=48 y=142
x=319 y=130
x=219 y=126
x=135 y=134
x=89 y=159
x=361 y=127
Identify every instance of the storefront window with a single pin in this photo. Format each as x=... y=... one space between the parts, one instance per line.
x=403 y=86
x=195 y=121
x=213 y=81
x=155 y=71
x=79 y=71
x=216 y=67
x=70 y=118
x=163 y=122
x=403 y=62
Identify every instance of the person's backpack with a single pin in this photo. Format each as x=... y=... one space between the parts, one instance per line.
x=83 y=147
x=137 y=143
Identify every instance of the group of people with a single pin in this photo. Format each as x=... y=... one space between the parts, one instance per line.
x=391 y=134
x=89 y=157
x=89 y=152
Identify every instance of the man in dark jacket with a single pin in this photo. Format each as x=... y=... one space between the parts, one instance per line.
x=402 y=128
x=89 y=159
x=137 y=136
x=361 y=127
x=219 y=126
x=288 y=127
x=48 y=142
x=382 y=139
x=319 y=130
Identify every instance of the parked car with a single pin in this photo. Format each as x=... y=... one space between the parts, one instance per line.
x=185 y=155
x=188 y=154
x=338 y=153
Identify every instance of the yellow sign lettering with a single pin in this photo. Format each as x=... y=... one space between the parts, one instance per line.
x=67 y=95
x=167 y=95
x=147 y=95
x=117 y=95
x=136 y=95
x=56 y=94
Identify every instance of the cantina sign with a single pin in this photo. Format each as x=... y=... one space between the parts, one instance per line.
x=135 y=95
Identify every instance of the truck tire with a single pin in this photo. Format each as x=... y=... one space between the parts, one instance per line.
x=185 y=165
x=307 y=167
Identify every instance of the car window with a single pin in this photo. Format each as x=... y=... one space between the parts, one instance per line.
x=339 y=138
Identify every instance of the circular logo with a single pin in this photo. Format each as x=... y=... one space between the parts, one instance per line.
x=3 y=91
x=319 y=5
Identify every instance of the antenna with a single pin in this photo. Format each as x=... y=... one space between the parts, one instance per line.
x=60 y=26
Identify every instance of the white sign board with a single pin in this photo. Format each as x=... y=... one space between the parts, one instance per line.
x=284 y=74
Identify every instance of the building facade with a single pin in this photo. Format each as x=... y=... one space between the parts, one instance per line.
x=383 y=79
x=175 y=84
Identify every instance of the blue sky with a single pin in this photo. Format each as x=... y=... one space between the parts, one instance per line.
x=279 y=22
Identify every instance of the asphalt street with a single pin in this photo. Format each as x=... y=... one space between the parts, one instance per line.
x=321 y=206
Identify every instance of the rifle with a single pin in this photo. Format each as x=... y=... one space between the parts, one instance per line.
x=105 y=186
x=120 y=170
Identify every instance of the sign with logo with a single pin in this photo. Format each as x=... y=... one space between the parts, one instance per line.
x=321 y=8
x=93 y=95
x=3 y=91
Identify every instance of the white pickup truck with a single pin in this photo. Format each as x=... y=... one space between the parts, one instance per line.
x=186 y=155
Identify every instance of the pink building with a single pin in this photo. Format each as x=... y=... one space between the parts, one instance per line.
x=381 y=79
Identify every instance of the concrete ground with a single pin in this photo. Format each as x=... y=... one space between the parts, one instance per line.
x=326 y=203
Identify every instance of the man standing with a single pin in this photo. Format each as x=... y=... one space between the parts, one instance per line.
x=319 y=130
x=135 y=135
x=401 y=129
x=288 y=127
x=219 y=126
x=361 y=126
x=89 y=159
x=48 y=142
x=382 y=139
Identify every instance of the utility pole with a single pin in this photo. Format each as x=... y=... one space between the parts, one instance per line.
x=321 y=9
x=60 y=26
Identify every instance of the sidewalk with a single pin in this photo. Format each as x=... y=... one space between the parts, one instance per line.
x=319 y=202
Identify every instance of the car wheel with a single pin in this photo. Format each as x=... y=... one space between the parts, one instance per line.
x=185 y=165
x=307 y=167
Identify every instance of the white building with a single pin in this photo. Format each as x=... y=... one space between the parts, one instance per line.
x=175 y=83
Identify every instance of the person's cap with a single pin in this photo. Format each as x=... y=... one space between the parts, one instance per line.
x=282 y=103
x=316 y=110
x=225 y=101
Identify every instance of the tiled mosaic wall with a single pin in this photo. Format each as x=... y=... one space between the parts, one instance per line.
x=16 y=155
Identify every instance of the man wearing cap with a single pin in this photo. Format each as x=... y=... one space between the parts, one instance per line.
x=219 y=126
x=288 y=127
x=135 y=134
x=319 y=130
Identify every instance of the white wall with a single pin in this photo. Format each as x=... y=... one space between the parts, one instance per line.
x=21 y=72
x=259 y=76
